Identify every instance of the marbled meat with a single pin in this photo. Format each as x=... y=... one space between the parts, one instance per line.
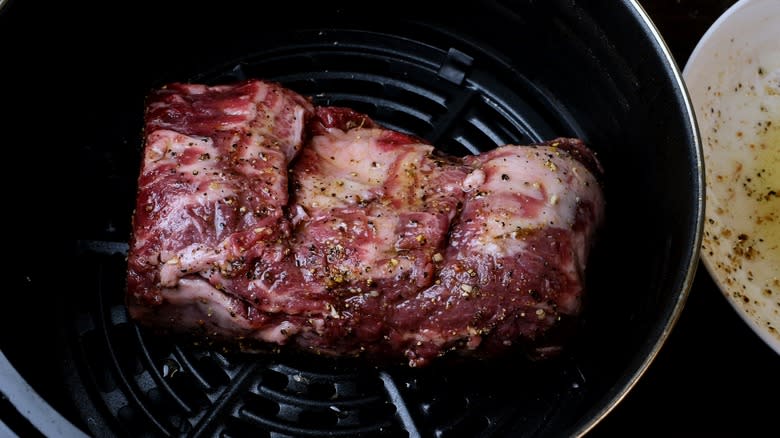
x=262 y=219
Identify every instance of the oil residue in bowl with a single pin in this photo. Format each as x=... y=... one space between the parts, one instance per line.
x=741 y=126
x=762 y=184
x=764 y=189
x=733 y=76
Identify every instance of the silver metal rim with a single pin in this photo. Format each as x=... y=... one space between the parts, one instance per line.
x=697 y=238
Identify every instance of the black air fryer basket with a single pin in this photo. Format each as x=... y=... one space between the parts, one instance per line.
x=466 y=77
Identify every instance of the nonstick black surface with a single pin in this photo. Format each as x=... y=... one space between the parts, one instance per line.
x=714 y=373
x=467 y=79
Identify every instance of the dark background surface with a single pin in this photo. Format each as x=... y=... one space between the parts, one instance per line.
x=714 y=376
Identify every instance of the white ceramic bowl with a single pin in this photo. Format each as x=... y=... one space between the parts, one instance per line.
x=733 y=77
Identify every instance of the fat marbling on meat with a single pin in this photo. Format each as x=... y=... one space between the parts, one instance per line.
x=262 y=219
x=210 y=246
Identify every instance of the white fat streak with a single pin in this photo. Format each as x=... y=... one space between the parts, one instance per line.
x=297 y=128
x=564 y=180
x=253 y=153
x=275 y=300
x=353 y=165
x=278 y=333
x=200 y=88
x=356 y=169
x=195 y=302
x=381 y=245
x=202 y=302
x=198 y=303
x=436 y=337
x=473 y=180
x=194 y=258
x=162 y=142
x=300 y=215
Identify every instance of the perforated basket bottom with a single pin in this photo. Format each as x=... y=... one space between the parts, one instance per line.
x=130 y=382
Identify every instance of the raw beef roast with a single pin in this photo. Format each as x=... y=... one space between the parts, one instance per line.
x=264 y=220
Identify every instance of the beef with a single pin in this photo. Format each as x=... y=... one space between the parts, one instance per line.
x=514 y=268
x=210 y=246
x=264 y=220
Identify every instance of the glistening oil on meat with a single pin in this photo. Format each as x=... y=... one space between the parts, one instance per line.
x=262 y=219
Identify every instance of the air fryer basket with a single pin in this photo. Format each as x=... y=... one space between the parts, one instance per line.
x=491 y=73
